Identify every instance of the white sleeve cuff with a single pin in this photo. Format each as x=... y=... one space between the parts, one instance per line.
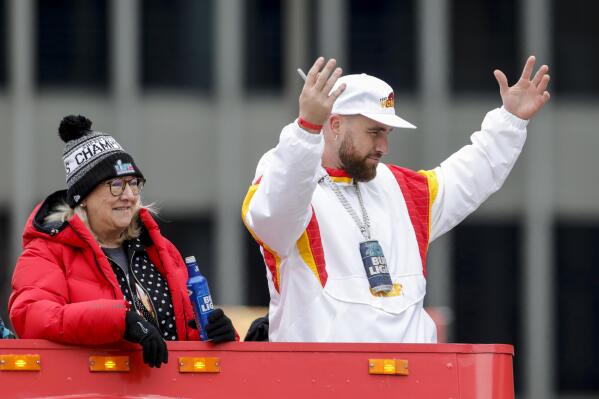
x=513 y=119
x=313 y=138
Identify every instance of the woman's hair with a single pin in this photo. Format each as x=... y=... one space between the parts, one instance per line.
x=62 y=212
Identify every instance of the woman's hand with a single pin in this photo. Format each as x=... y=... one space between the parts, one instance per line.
x=138 y=330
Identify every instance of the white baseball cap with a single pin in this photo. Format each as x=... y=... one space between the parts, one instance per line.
x=368 y=96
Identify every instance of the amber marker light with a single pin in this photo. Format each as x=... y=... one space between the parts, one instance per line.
x=109 y=363
x=388 y=366
x=20 y=362
x=199 y=365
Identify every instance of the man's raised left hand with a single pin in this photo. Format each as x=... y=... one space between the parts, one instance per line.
x=526 y=97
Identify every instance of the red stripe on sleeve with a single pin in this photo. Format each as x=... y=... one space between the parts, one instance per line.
x=271 y=263
x=313 y=232
x=414 y=188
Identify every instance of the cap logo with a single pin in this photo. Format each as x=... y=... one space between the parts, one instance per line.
x=388 y=102
x=76 y=198
x=123 y=168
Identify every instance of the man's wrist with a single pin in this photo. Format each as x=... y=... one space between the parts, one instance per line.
x=309 y=126
x=514 y=119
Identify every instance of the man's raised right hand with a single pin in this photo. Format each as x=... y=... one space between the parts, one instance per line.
x=315 y=103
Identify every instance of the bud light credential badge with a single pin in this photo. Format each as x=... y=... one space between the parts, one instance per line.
x=375 y=266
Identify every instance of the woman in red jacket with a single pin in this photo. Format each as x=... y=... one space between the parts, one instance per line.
x=95 y=268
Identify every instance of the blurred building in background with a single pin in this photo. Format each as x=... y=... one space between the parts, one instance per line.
x=198 y=90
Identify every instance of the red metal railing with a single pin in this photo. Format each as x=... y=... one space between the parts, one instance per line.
x=264 y=370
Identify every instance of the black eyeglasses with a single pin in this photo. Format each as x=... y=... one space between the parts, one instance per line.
x=117 y=185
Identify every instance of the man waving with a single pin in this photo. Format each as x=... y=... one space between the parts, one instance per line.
x=345 y=236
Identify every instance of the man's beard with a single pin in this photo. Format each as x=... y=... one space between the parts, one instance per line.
x=356 y=167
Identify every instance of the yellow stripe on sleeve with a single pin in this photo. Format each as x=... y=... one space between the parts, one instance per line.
x=303 y=246
x=244 y=210
x=433 y=183
x=433 y=190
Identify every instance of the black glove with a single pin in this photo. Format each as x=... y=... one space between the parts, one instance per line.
x=192 y=324
x=138 y=330
x=258 y=331
x=220 y=328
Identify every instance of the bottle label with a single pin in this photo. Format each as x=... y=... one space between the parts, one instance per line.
x=206 y=305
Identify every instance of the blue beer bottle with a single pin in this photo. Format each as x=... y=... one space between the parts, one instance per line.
x=199 y=294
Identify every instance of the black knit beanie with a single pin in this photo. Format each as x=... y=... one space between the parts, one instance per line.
x=90 y=158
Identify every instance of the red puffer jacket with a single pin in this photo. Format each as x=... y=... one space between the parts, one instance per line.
x=64 y=289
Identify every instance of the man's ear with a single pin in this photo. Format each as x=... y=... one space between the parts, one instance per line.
x=335 y=124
